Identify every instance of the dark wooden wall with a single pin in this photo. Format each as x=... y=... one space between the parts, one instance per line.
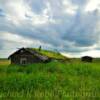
x=16 y=58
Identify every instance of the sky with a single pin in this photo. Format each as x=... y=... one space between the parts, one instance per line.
x=71 y=27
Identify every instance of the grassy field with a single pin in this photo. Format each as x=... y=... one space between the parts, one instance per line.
x=51 y=81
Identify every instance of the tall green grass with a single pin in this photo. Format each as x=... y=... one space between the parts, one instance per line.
x=50 y=81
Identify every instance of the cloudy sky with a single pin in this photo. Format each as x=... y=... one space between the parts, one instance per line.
x=69 y=26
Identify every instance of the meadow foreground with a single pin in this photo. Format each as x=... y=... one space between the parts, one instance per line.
x=55 y=80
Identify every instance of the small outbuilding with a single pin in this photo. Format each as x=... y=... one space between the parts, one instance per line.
x=87 y=59
x=26 y=56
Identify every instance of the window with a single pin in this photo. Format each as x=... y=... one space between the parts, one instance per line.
x=21 y=51
x=23 y=61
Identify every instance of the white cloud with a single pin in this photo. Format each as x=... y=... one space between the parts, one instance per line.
x=71 y=26
x=92 y=5
x=15 y=10
x=93 y=53
x=15 y=38
x=69 y=7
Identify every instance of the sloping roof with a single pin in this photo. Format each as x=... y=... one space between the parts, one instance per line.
x=51 y=54
x=87 y=57
x=33 y=52
x=37 y=54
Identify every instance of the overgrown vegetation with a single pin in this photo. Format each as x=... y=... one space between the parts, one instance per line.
x=51 y=54
x=55 y=80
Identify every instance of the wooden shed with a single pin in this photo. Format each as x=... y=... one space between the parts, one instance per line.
x=87 y=59
x=25 y=56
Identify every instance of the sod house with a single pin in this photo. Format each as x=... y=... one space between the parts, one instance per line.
x=25 y=56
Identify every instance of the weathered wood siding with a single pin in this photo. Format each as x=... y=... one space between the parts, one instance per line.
x=16 y=58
